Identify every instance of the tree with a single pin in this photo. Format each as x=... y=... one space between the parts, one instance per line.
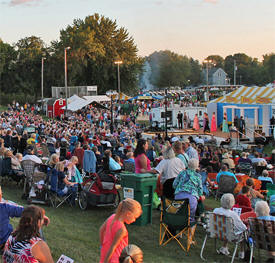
x=217 y=60
x=96 y=43
x=269 y=67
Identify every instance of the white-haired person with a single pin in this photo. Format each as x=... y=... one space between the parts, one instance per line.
x=263 y=212
x=188 y=185
x=227 y=202
x=169 y=168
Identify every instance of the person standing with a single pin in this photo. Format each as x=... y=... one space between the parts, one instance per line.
x=272 y=124
x=196 y=125
x=179 y=117
x=225 y=124
x=206 y=123
x=213 y=123
x=242 y=126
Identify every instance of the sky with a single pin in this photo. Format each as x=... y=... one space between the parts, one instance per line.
x=196 y=28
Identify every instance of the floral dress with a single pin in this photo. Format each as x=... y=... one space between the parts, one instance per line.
x=19 y=251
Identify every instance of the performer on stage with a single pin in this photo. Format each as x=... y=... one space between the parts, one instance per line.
x=213 y=123
x=196 y=124
x=225 y=124
x=206 y=123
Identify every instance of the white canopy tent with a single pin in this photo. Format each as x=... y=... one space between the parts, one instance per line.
x=99 y=98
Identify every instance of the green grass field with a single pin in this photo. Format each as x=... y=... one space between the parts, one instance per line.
x=75 y=233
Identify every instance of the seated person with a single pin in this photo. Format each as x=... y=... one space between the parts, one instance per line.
x=254 y=195
x=129 y=163
x=6 y=211
x=73 y=173
x=225 y=142
x=224 y=171
x=265 y=177
x=243 y=200
x=272 y=205
x=227 y=202
x=263 y=212
x=25 y=243
x=109 y=163
x=244 y=158
x=228 y=161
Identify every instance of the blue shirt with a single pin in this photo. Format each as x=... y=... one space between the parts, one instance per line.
x=271 y=218
x=225 y=173
x=7 y=211
x=113 y=165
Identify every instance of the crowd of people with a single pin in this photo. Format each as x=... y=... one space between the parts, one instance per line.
x=84 y=143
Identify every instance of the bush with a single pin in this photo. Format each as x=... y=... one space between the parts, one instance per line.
x=22 y=98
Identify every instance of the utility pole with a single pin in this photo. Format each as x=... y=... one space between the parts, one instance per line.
x=42 y=86
x=235 y=72
x=166 y=133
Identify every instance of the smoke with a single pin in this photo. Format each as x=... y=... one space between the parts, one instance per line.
x=145 y=83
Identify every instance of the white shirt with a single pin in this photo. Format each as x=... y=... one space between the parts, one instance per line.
x=169 y=168
x=32 y=157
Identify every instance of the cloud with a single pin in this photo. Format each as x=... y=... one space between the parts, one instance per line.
x=23 y=2
x=211 y=1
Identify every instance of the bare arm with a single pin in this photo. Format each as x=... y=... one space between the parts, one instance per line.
x=102 y=232
x=41 y=252
x=118 y=236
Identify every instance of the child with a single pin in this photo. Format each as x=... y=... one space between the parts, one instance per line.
x=131 y=254
x=113 y=233
x=243 y=199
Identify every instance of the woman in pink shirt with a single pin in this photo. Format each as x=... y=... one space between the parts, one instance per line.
x=113 y=233
x=142 y=163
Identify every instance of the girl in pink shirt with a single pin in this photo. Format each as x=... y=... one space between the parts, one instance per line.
x=113 y=233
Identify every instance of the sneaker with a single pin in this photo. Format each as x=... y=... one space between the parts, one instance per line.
x=223 y=251
x=241 y=255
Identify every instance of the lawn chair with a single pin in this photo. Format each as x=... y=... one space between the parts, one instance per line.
x=245 y=216
x=262 y=233
x=221 y=227
x=226 y=184
x=245 y=168
x=28 y=168
x=175 y=214
x=57 y=197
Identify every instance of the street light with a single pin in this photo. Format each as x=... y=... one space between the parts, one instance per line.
x=42 y=81
x=207 y=61
x=119 y=62
x=65 y=68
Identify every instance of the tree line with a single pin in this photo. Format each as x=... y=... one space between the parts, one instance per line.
x=96 y=42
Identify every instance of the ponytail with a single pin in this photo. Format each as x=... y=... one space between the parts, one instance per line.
x=131 y=254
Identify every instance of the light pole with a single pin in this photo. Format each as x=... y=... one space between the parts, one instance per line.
x=65 y=68
x=42 y=81
x=166 y=133
x=119 y=62
x=207 y=88
x=207 y=61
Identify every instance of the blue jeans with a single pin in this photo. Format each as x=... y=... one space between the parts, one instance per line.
x=193 y=202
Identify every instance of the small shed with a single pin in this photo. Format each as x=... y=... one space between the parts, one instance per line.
x=55 y=107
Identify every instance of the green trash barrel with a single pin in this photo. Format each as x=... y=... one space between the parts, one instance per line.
x=140 y=187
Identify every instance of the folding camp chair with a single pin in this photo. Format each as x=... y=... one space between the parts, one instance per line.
x=175 y=214
x=28 y=168
x=262 y=233
x=212 y=189
x=57 y=197
x=221 y=227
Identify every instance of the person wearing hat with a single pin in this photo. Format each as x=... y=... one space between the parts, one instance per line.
x=228 y=161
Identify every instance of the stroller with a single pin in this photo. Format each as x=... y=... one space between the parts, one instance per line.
x=99 y=190
x=35 y=190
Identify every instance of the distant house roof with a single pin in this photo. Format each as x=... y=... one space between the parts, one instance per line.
x=212 y=71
